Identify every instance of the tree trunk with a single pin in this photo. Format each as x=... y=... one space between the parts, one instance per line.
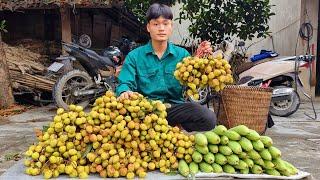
x=6 y=96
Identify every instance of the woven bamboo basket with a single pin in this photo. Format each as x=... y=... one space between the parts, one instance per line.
x=244 y=105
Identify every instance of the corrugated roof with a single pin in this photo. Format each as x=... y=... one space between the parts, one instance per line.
x=45 y=4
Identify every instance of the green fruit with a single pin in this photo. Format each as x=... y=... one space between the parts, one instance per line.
x=253 y=135
x=232 y=135
x=258 y=145
x=242 y=165
x=224 y=140
x=241 y=129
x=194 y=168
x=205 y=167
x=233 y=159
x=275 y=152
x=246 y=144
x=202 y=149
x=220 y=159
x=225 y=150
x=212 y=137
x=267 y=141
x=272 y=172
x=201 y=139
x=279 y=164
x=265 y=154
x=259 y=162
x=244 y=171
x=220 y=129
x=254 y=155
x=268 y=164
x=228 y=169
x=235 y=147
x=197 y=157
x=217 y=168
x=256 y=169
x=293 y=170
x=183 y=168
x=249 y=162
x=243 y=155
x=213 y=148
x=209 y=158
x=285 y=172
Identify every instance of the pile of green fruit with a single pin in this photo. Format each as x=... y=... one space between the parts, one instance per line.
x=238 y=149
x=118 y=138
x=195 y=73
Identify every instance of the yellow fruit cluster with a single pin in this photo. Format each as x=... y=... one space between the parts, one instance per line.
x=195 y=73
x=117 y=138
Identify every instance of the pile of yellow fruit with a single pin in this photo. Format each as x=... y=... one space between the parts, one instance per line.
x=211 y=71
x=118 y=138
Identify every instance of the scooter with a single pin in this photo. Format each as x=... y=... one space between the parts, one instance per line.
x=280 y=73
x=81 y=86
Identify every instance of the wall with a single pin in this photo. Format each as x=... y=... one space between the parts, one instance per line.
x=36 y=24
x=284 y=27
x=102 y=25
x=180 y=31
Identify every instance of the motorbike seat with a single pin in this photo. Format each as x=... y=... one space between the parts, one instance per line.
x=102 y=60
x=247 y=65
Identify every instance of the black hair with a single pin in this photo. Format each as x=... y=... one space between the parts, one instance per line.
x=156 y=10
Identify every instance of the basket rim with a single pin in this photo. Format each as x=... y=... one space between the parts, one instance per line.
x=256 y=88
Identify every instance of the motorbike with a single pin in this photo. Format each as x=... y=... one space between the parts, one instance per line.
x=280 y=73
x=95 y=75
x=283 y=77
x=80 y=86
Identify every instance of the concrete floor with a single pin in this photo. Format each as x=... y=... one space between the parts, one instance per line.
x=297 y=136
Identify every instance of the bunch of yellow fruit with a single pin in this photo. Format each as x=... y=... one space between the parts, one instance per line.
x=211 y=71
x=118 y=138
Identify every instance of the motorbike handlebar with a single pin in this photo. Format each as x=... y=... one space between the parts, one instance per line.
x=307 y=57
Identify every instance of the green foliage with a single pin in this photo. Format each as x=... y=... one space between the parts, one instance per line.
x=140 y=7
x=215 y=20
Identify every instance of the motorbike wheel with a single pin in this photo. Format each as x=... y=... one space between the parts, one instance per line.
x=285 y=108
x=204 y=93
x=67 y=84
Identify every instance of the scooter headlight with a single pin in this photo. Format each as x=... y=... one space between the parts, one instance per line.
x=282 y=91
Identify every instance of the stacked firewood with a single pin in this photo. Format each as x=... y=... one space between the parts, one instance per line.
x=26 y=69
x=38 y=46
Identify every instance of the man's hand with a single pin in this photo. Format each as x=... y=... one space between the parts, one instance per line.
x=204 y=49
x=126 y=95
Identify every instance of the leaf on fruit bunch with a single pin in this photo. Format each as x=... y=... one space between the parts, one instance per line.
x=45 y=128
x=88 y=149
x=172 y=172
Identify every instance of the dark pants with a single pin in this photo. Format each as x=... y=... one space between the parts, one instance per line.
x=192 y=117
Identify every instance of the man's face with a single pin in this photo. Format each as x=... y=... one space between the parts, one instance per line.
x=160 y=29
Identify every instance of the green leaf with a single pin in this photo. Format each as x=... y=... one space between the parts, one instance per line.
x=45 y=128
x=215 y=20
x=172 y=173
x=88 y=149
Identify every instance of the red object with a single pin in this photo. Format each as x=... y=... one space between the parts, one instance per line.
x=265 y=85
